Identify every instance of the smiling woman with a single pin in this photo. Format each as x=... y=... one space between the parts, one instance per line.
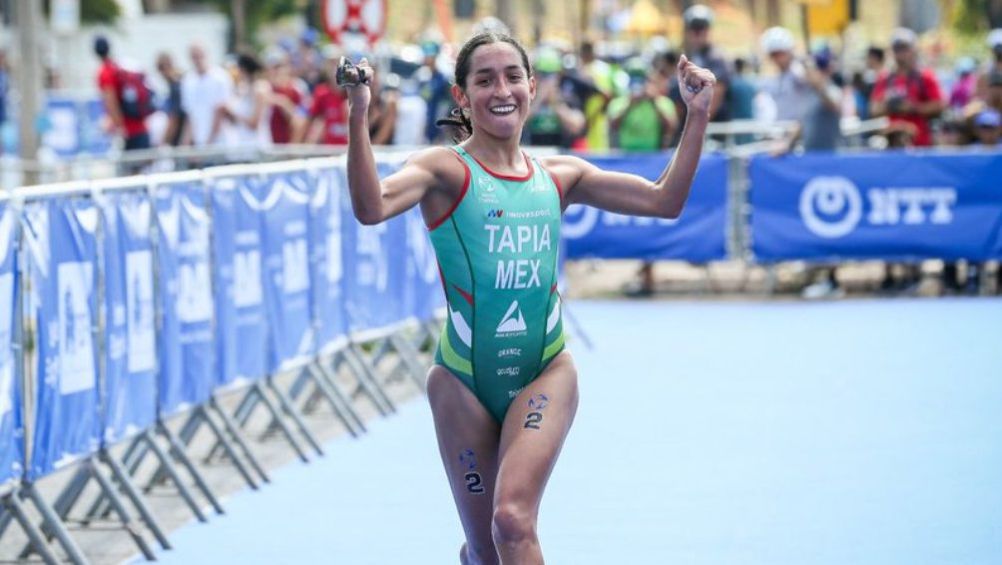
x=503 y=389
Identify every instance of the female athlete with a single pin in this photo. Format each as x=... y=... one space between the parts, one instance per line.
x=503 y=389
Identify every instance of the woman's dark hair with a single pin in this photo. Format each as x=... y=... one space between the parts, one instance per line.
x=457 y=119
x=249 y=63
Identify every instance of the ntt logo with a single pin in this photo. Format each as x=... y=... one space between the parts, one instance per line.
x=831 y=206
x=495 y=213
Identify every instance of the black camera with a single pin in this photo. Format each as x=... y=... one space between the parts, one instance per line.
x=349 y=74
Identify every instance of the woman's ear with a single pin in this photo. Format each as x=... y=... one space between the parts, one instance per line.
x=460 y=97
x=532 y=88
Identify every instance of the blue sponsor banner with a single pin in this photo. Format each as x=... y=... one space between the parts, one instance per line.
x=185 y=342
x=284 y=202
x=62 y=126
x=11 y=415
x=60 y=237
x=130 y=360
x=241 y=326
x=374 y=270
x=889 y=205
x=699 y=235
x=424 y=292
x=327 y=208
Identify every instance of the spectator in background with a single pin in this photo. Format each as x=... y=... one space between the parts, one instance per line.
x=995 y=65
x=666 y=67
x=412 y=113
x=434 y=90
x=307 y=62
x=248 y=111
x=600 y=79
x=910 y=96
x=644 y=119
x=383 y=108
x=988 y=128
x=867 y=79
x=329 y=111
x=965 y=86
x=553 y=120
x=698 y=21
x=790 y=88
x=204 y=90
x=288 y=114
x=131 y=125
x=741 y=101
x=176 y=117
x=819 y=127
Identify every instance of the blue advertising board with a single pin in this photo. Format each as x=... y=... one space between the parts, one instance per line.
x=889 y=205
x=130 y=359
x=185 y=341
x=698 y=236
x=60 y=236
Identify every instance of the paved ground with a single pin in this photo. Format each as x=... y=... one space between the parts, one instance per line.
x=777 y=432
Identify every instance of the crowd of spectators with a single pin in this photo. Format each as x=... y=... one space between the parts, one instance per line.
x=591 y=98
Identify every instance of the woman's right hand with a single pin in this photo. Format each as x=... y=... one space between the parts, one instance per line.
x=359 y=94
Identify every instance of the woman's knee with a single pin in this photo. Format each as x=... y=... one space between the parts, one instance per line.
x=513 y=523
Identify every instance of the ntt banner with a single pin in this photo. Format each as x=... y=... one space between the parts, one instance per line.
x=130 y=318
x=185 y=339
x=699 y=235
x=892 y=206
x=11 y=417
x=60 y=236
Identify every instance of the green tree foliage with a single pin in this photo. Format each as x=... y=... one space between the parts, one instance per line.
x=977 y=16
x=99 y=11
x=259 y=11
x=95 y=11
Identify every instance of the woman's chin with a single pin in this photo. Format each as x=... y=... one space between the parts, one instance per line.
x=503 y=130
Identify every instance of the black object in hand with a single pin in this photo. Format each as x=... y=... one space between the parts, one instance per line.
x=346 y=78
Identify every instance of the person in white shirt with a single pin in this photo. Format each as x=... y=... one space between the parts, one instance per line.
x=790 y=87
x=248 y=111
x=204 y=92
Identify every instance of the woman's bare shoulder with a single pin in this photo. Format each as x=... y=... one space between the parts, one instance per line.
x=443 y=163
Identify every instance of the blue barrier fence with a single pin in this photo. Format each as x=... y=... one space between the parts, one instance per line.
x=144 y=299
x=11 y=412
x=204 y=281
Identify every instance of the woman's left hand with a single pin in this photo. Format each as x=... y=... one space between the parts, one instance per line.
x=696 y=85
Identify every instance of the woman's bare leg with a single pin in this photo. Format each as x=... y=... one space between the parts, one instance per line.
x=468 y=442
x=531 y=438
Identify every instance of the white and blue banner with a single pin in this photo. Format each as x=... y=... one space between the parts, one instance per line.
x=698 y=236
x=241 y=322
x=130 y=356
x=889 y=205
x=375 y=271
x=60 y=237
x=11 y=404
x=185 y=343
x=327 y=204
x=284 y=202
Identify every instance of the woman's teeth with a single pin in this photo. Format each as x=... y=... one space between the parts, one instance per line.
x=502 y=110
